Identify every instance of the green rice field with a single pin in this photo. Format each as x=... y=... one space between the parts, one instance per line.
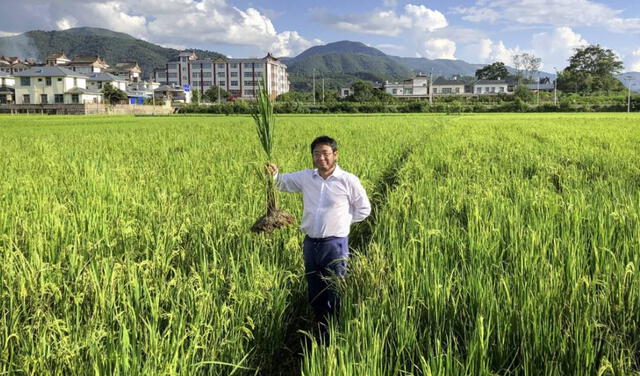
x=499 y=244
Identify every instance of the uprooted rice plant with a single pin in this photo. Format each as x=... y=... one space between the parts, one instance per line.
x=501 y=244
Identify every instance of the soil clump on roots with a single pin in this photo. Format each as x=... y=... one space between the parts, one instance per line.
x=273 y=220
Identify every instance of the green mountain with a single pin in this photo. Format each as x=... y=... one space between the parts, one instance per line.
x=342 y=63
x=112 y=46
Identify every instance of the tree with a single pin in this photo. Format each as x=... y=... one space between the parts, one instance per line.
x=526 y=66
x=523 y=93
x=196 y=96
x=212 y=94
x=113 y=95
x=591 y=69
x=495 y=71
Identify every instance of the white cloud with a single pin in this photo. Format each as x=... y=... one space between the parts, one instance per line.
x=633 y=62
x=550 y=12
x=557 y=46
x=65 y=23
x=7 y=34
x=488 y=51
x=440 y=48
x=386 y=22
x=194 y=23
x=290 y=43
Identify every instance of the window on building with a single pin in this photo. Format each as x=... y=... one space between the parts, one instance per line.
x=184 y=69
x=478 y=90
x=234 y=65
x=195 y=74
x=234 y=74
x=248 y=83
x=222 y=83
x=59 y=79
x=58 y=98
x=207 y=83
x=234 y=83
x=173 y=66
x=99 y=85
x=221 y=74
x=206 y=74
x=75 y=98
x=25 y=81
x=435 y=90
x=493 y=89
x=43 y=99
x=395 y=91
x=258 y=65
x=75 y=82
x=457 y=90
x=248 y=92
x=248 y=74
x=26 y=99
x=173 y=75
x=247 y=65
x=501 y=89
x=446 y=90
x=48 y=81
x=220 y=65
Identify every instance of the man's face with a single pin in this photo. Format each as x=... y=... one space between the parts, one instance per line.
x=324 y=158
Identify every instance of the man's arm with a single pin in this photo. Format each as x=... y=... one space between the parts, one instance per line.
x=360 y=205
x=285 y=182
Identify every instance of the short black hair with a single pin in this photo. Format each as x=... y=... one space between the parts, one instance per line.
x=325 y=140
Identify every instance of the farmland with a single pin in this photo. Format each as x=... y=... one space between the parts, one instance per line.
x=498 y=244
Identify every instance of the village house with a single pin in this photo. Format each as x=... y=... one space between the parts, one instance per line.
x=240 y=77
x=130 y=71
x=492 y=87
x=416 y=87
x=443 y=86
x=7 y=88
x=57 y=59
x=12 y=64
x=87 y=64
x=53 y=85
x=97 y=81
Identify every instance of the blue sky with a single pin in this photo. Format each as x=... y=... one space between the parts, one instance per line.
x=477 y=31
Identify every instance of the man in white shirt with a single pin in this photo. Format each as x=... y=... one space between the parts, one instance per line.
x=333 y=199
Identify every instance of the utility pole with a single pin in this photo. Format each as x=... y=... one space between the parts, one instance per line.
x=431 y=87
x=628 y=78
x=314 y=86
x=555 y=88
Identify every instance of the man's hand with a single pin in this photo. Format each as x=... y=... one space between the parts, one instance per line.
x=271 y=168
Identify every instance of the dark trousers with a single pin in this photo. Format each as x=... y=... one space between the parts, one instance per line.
x=325 y=262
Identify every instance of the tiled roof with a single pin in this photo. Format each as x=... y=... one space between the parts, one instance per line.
x=48 y=72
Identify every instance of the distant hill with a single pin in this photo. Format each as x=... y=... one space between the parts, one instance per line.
x=634 y=82
x=112 y=46
x=343 y=62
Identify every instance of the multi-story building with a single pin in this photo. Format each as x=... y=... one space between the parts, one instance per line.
x=416 y=87
x=240 y=77
x=7 y=91
x=57 y=85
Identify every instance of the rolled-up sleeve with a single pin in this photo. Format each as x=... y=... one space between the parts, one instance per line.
x=360 y=205
x=289 y=182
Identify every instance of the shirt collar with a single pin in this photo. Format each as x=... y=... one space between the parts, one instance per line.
x=336 y=173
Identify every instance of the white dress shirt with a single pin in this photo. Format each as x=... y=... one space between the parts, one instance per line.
x=331 y=205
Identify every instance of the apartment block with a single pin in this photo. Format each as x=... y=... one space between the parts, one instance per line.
x=240 y=77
